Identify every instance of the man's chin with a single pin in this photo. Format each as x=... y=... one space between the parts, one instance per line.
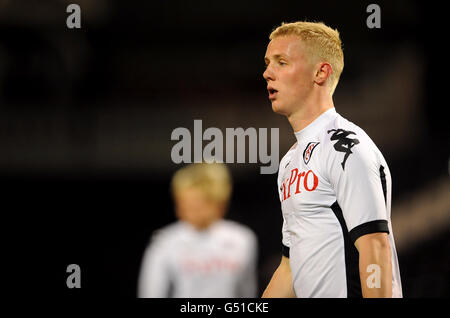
x=276 y=108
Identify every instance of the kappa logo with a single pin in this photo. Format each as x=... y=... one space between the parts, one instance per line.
x=343 y=143
x=307 y=153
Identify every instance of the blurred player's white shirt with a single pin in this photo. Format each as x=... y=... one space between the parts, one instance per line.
x=334 y=187
x=181 y=261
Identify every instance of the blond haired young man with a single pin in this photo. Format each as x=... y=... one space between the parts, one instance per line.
x=201 y=255
x=334 y=184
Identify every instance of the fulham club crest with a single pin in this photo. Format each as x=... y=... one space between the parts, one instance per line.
x=307 y=153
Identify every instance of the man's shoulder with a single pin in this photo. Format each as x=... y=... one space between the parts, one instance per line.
x=167 y=234
x=287 y=157
x=343 y=140
x=235 y=229
x=292 y=149
x=342 y=132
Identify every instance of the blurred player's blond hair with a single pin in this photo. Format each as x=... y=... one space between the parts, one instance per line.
x=321 y=42
x=212 y=179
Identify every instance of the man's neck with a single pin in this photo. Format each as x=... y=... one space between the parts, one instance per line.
x=306 y=114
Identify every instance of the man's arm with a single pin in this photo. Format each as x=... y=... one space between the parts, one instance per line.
x=280 y=286
x=375 y=267
x=247 y=283
x=153 y=278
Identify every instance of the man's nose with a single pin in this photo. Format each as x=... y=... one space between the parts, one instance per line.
x=268 y=74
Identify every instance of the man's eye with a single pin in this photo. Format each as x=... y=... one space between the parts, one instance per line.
x=281 y=62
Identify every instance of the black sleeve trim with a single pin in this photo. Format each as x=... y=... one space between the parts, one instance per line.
x=367 y=228
x=285 y=250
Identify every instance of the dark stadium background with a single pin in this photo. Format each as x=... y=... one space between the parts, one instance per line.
x=86 y=116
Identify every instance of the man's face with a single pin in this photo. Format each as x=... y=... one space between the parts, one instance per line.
x=192 y=206
x=289 y=74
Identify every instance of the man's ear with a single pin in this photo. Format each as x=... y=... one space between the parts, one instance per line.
x=324 y=71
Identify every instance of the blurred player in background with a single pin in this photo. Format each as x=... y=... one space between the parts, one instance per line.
x=334 y=184
x=201 y=255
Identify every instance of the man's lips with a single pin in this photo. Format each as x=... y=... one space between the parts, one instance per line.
x=272 y=92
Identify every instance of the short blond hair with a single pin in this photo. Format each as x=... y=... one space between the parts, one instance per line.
x=321 y=41
x=212 y=179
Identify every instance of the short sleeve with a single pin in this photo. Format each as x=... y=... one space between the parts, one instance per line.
x=356 y=174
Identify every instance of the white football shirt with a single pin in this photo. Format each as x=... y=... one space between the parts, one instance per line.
x=183 y=262
x=334 y=187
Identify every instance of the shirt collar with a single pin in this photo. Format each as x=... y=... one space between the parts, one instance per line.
x=316 y=125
